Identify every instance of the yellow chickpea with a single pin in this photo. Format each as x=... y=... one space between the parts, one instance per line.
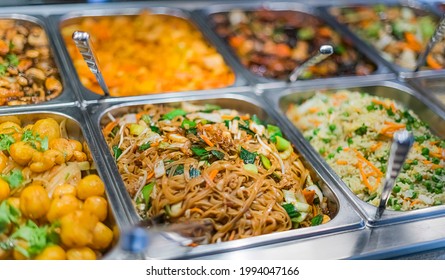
x=47 y=128
x=82 y=253
x=79 y=156
x=52 y=252
x=65 y=189
x=34 y=201
x=21 y=152
x=98 y=206
x=3 y=161
x=4 y=189
x=41 y=162
x=62 y=206
x=55 y=156
x=76 y=228
x=90 y=185
x=102 y=237
x=77 y=146
x=9 y=127
x=62 y=145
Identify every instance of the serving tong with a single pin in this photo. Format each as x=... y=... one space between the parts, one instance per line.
x=401 y=144
x=437 y=36
x=324 y=52
x=83 y=43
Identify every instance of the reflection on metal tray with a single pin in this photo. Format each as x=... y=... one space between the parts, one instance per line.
x=75 y=129
x=75 y=17
x=345 y=217
x=206 y=14
x=393 y=90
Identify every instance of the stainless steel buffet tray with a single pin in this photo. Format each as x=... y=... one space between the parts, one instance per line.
x=344 y=217
x=67 y=95
x=388 y=89
x=73 y=17
x=76 y=127
x=381 y=72
x=416 y=5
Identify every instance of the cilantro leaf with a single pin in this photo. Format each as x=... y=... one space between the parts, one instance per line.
x=6 y=141
x=8 y=214
x=12 y=59
x=14 y=179
x=35 y=236
x=116 y=152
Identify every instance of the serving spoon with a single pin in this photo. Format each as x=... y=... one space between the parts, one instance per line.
x=324 y=52
x=437 y=36
x=83 y=44
x=401 y=144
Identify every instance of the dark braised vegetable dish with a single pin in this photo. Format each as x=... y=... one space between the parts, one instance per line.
x=27 y=71
x=273 y=43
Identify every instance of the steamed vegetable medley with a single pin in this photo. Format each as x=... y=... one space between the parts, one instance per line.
x=50 y=206
x=353 y=131
x=399 y=33
x=272 y=43
x=27 y=71
x=156 y=53
x=206 y=164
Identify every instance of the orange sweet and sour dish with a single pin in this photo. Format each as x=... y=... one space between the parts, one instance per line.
x=148 y=53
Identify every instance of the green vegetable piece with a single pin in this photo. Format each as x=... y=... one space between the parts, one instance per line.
x=332 y=127
x=373 y=29
x=290 y=210
x=427 y=26
x=396 y=188
x=193 y=172
x=208 y=108
x=188 y=124
x=265 y=161
x=8 y=215
x=361 y=130
x=256 y=119
x=179 y=170
x=282 y=144
x=114 y=131
x=136 y=129
x=173 y=114
x=6 y=141
x=197 y=150
x=146 y=192
x=217 y=154
x=145 y=146
x=339 y=49
x=425 y=151
x=14 y=178
x=251 y=168
x=247 y=156
x=306 y=33
x=12 y=59
x=146 y=118
x=317 y=220
x=34 y=235
x=155 y=129
x=273 y=131
x=116 y=152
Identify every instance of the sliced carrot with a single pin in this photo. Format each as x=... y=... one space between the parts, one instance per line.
x=361 y=157
x=227 y=117
x=155 y=144
x=380 y=102
x=109 y=127
x=314 y=109
x=245 y=117
x=213 y=174
x=325 y=31
x=232 y=235
x=433 y=63
x=207 y=140
x=282 y=50
x=412 y=41
x=376 y=146
x=149 y=176
x=436 y=155
x=415 y=201
x=193 y=245
x=195 y=209
x=364 y=177
x=237 y=41
x=309 y=196
x=342 y=162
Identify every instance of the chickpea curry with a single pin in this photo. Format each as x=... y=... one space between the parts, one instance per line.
x=28 y=74
x=147 y=53
x=52 y=206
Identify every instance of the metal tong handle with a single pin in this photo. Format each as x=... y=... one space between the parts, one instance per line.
x=83 y=43
x=324 y=52
x=437 y=36
x=401 y=144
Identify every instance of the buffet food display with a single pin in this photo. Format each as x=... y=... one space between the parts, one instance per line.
x=188 y=135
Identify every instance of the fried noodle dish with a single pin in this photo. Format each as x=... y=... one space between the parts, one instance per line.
x=197 y=163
